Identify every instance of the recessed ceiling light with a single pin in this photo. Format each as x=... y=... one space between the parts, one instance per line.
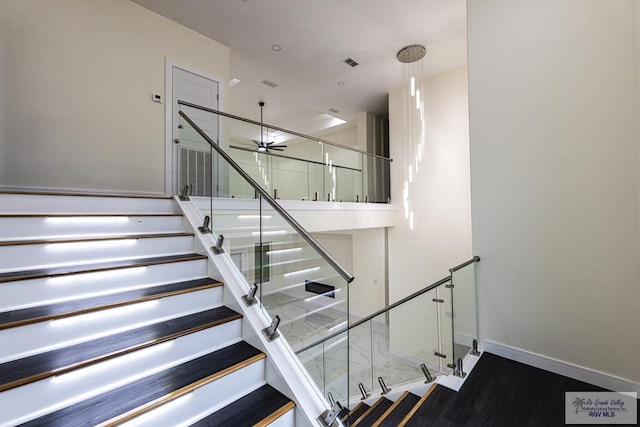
x=276 y=48
x=341 y=83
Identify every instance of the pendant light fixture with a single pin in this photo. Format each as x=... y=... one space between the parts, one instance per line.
x=414 y=121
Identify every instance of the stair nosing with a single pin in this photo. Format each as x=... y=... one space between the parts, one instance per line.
x=136 y=412
x=275 y=414
x=417 y=406
x=79 y=270
x=40 y=319
x=114 y=354
x=93 y=239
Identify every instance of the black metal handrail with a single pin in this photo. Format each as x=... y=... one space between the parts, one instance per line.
x=287 y=217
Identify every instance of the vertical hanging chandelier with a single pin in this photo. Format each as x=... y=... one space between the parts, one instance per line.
x=414 y=122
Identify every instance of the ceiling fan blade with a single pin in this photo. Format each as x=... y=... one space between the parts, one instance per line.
x=256 y=142
x=276 y=149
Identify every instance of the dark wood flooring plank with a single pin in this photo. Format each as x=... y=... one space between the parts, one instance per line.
x=12 y=276
x=501 y=392
x=61 y=360
x=52 y=311
x=247 y=410
x=111 y=404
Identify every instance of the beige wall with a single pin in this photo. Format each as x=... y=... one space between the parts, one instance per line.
x=442 y=234
x=77 y=78
x=554 y=149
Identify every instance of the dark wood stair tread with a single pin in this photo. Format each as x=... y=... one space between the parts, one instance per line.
x=95 y=267
x=68 y=308
x=415 y=414
x=56 y=362
x=93 y=239
x=357 y=412
x=248 y=410
x=131 y=396
x=373 y=413
x=400 y=410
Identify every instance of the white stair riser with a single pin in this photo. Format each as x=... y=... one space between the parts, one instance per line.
x=38 y=228
x=206 y=399
x=37 y=399
x=44 y=204
x=35 y=292
x=26 y=257
x=45 y=336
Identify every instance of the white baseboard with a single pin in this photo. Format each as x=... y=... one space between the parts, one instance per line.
x=560 y=367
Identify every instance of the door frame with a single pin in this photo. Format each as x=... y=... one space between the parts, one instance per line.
x=171 y=168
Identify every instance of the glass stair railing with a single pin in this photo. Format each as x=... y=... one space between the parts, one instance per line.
x=286 y=164
x=427 y=334
x=298 y=282
x=302 y=285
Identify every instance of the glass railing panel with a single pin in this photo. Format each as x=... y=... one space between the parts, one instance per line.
x=343 y=174
x=465 y=311
x=401 y=349
x=361 y=357
x=303 y=289
x=297 y=167
x=376 y=179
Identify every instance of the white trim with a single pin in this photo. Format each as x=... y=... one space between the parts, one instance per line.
x=168 y=96
x=580 y=373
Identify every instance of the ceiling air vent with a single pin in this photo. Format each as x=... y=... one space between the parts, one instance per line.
x=352 y=62
x=334 y=111
x=269 y=83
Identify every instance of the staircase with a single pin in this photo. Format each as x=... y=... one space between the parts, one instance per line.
x=405 y=410
x=108 y=317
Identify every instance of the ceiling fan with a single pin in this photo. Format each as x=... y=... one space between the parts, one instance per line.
x=265 y=147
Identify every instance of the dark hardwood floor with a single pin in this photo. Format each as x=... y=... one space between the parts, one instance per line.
x=501 y=392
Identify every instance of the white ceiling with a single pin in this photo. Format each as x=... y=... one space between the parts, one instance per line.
x=316 y=36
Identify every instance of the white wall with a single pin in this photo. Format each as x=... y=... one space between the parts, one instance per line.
x=442 y=234
x=367 y=293
x=362 y=252
x=78 y=77
x=554 y=170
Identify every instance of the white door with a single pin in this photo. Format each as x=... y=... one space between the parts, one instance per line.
x=193 y=160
